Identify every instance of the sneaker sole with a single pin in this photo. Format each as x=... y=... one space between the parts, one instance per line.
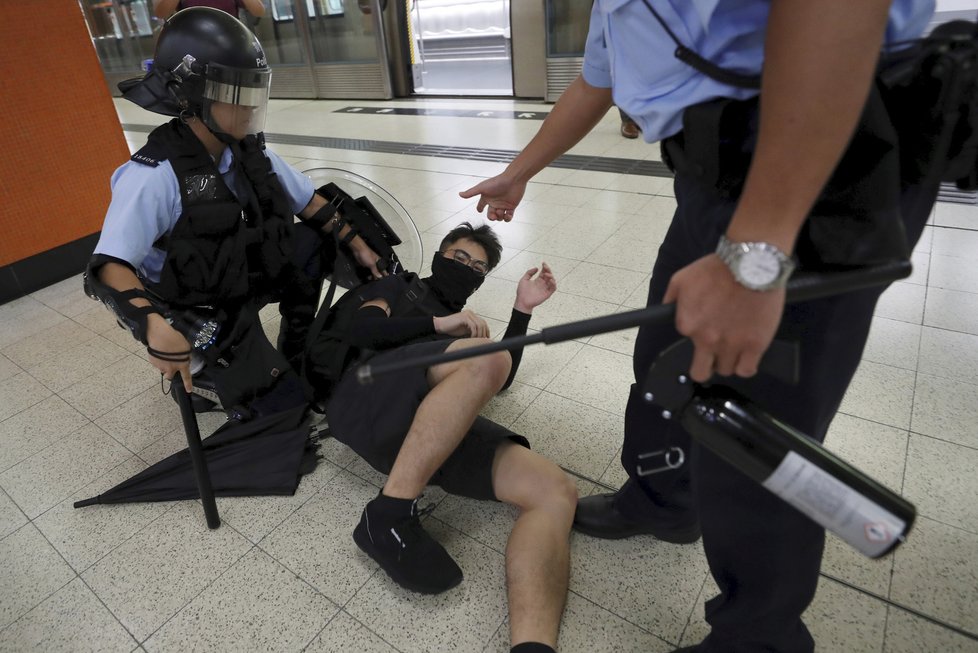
x=365 y=545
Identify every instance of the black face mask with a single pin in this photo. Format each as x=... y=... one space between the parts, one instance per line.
x=452 y=282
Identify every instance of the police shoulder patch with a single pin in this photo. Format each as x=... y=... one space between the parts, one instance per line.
x=150 y=154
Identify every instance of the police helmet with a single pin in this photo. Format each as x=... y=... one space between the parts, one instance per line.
x=207 y=64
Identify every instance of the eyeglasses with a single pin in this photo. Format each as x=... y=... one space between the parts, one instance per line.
x=461 y=256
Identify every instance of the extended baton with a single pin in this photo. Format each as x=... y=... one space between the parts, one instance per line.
x=804 y=287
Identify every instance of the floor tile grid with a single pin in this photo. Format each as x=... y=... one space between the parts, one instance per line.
x=504 y=624
x=284 y=565
x=226 y=571
x=938 y=322
x=225 y=524
x=77 y=575
x=889 y=599
x=78 y=572
x=176 y=612
x=893 y=609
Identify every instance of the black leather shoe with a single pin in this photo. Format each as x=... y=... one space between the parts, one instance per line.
x=597 y=516
x=629 y=129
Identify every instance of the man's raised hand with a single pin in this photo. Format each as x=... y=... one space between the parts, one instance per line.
x=532 y=291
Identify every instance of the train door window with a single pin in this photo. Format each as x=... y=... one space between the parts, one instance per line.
x=460 y=47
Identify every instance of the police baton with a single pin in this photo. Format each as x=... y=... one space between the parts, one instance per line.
x=802 y=287
x=196 y=450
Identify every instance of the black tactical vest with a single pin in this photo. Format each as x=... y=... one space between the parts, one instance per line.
x=219 y=253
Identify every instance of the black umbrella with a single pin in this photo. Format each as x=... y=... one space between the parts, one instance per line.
x=264 y=456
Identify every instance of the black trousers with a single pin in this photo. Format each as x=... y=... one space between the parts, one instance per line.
x=313 y=259
x=252 y=379
x=763 y=554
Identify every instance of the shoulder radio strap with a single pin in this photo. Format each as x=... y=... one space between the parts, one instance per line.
x=705 y=66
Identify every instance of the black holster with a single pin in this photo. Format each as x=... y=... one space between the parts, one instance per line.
x=717 y=143
x=245 y=366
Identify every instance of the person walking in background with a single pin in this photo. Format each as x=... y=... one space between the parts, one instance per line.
x=628 y=127
x=166 y=8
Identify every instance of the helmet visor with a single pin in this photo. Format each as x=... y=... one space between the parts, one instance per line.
x=235 y=100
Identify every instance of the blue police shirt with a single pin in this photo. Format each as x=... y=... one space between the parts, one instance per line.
x=628 y=51
x=146 y=205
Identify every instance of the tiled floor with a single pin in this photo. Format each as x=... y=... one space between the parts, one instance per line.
x=80 y=410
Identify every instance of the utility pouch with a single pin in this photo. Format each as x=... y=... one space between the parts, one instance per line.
x=931 y=90
x=244 y=364
x=856 y=220
x=716 y=146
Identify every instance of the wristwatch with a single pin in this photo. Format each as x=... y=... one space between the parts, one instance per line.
x=757 y=266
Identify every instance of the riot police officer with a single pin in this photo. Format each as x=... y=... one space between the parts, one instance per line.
x=200 y=229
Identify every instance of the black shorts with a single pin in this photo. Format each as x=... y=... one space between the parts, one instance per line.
x=374 y=419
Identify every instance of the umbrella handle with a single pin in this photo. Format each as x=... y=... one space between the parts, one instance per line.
x=196 y=452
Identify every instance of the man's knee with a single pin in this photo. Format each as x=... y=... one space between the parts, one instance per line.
x=538 y=483
x=561 y=490
x=556 y=494
x=491 y=369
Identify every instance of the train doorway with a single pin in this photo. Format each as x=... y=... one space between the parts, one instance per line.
x=460 y=47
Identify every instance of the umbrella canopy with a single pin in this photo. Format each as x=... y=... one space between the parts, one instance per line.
x=265 y=456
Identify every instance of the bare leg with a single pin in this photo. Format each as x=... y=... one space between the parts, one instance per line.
x=538 y=551
x=459 y=391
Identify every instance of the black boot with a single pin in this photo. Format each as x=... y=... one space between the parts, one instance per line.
x=390 y=532
x=292 y=340
x=204 y=398
x=600 y=515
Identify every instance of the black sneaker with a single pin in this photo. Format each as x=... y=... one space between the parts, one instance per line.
x=402 y=548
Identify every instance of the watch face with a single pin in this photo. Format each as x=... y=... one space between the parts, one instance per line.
x=759 y=268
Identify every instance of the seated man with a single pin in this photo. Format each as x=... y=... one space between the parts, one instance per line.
x=199 y=233
x=422 y=426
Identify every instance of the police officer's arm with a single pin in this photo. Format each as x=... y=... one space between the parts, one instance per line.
x=575 y=114
x=254 y=7
x=160 y=336
x=819 y=62
x=361 y=251
x=164 y=8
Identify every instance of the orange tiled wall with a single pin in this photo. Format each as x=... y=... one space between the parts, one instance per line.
x=60 y=138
